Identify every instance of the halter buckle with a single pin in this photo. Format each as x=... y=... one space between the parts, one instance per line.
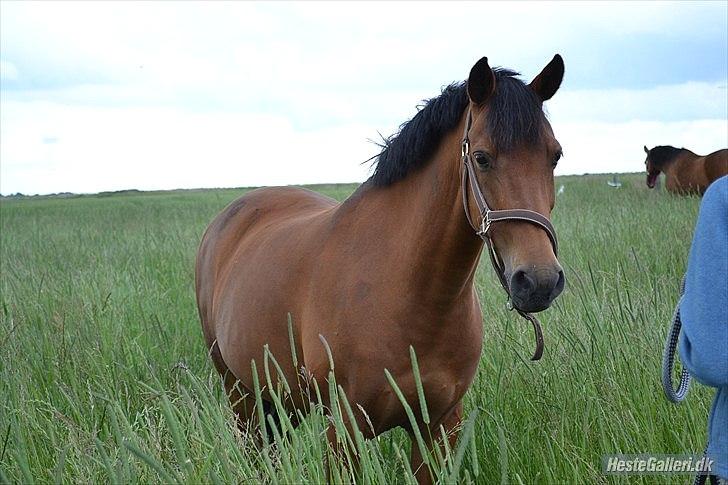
x=465 y=148
x=485 y=224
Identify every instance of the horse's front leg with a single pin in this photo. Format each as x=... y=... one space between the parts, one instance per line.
x=451 y=423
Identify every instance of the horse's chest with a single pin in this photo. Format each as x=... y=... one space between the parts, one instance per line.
x=440 y=391
x=442 y=380
x=674 y=182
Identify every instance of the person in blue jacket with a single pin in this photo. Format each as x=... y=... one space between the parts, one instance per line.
x=704 y=315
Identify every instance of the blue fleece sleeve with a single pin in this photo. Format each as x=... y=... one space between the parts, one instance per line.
x=704 y=307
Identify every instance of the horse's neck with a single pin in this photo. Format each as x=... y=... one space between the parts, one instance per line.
x=682 y=165
x=421 y=221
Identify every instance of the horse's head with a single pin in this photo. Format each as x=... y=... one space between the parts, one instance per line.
x=514 y=152
x=653 y=171
x=657 y=159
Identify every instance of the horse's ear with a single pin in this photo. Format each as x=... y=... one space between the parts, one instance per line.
x=481 y=82
x=647 y=150
x=548 y=81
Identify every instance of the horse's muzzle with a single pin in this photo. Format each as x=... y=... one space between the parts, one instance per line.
x=652 y=179
x=533 y=289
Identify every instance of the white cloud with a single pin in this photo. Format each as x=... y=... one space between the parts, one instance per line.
x=604 y=130
x=313 y=44
x=97 y=149
x=602 y=147
x=8 y=71
x=165 y=95
x=116 y=148
x=692 y=100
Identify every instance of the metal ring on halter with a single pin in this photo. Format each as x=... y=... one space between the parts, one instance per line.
x=485 y=224
x=465 y=148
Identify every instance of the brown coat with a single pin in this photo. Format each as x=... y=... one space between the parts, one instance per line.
x=391 y=267
x=685 y=172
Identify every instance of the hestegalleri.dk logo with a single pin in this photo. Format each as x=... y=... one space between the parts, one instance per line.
x=647 y=464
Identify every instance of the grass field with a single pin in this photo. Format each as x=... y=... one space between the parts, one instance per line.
x=104 y=375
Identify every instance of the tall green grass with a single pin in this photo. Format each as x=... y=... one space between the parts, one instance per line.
x=104 y=376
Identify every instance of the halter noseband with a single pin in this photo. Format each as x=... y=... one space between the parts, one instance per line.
x=489 y=216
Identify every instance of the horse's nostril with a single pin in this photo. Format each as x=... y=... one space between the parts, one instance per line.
x=556 y=291
x=522 y=283
x=534 y=290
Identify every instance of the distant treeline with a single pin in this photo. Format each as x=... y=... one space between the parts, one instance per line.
x=69 y=195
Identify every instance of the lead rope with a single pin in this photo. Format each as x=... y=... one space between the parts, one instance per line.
x=538 y=333
x=668 y=357
x=668 y=364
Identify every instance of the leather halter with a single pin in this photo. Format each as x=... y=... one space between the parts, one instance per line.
x=488 y=217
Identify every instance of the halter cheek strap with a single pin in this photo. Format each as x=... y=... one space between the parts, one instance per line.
x=488 y=217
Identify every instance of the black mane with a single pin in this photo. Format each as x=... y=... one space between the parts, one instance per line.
x=515 y=117
x=663 y=154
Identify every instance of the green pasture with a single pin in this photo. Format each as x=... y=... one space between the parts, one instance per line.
x=104 y=375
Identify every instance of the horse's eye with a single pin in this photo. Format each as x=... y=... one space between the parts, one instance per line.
x=483 y=159
x=557 y=157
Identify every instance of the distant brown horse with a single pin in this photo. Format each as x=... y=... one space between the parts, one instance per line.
x=393 y=265
x=685 y=172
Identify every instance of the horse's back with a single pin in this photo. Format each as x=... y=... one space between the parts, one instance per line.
x=247 y=222
x=692 y=174
x=716 y=165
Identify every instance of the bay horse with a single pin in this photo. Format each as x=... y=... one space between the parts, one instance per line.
x=392 y=266
x=685 y=172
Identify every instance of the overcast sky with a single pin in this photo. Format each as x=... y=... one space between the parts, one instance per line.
x=107 y=96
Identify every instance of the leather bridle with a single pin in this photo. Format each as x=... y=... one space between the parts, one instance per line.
x=488 y=217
